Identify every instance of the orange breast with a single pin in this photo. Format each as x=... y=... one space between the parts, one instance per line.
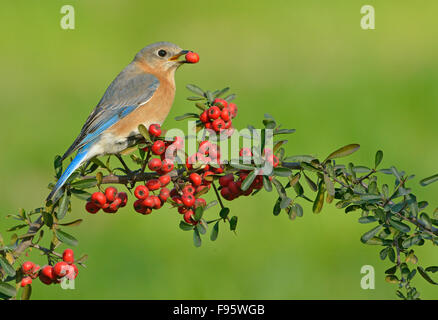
x=154 y=111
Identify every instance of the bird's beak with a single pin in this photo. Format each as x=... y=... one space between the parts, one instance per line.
x=179 y=54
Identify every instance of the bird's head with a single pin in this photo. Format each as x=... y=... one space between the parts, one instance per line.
x=161 y=56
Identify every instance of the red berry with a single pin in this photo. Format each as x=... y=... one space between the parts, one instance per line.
x=27 y=267
x=195 y=179
x=192 y=57
x=213 y=113
x=226 y=194
x=182 y=209
x=208 y=125
x=188 y=190
x=234 y=188
x=188 y=199
x=158 y=147
x=204 y=117
x=110 y=209
x=68 y=256
x=218 y=125
x=98 y=198
x=35 y=270
x=233 y=110
x=48 y=272
x=155 y=130
x=114 y=206
x=188 y=217
x=139 y=206
x=154 y=164
x=75 y=270
x=164 y=194
x=25 y=281
x=148 y=202
x=123 y=197
x=157 y=202
x=110 y=194
x=91 y=207
x=60 y=269
x=153 y=184
x=225 y=180
x=167 y=165
x=141 y=192
x=220 y=102
x=164 y=180
x=178 y=142
x=228 y=124
x=225 y=114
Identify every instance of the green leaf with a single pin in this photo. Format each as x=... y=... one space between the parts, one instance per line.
x=282 y=172
x=214 y=232
x=187 y=116
x=378 y=158
x=199 y=211
x=195 y=90
x=63 y=205
x=429 y=180
x=17 y=227
x=426 y=220
x=298 y=209
x=411 y=241
x=280 y=189
x=400 y=226
x=312 y=185
x=7 y=289
x=66 y=238
x=72 y=223
x=224 y=213
x=370 y=234
x=367 y=219
x=276 y=211
x=196 y=238
x=300 y=158
x=58 y=166
x=343 y=152
x=241 y=166
x=84 y=183
x=425 y=275
x=248 y=180
x=319 y=200
x=27 y=292
x=432 y=269
x=144 y=132
x=81 y=194
x=185 y=226
x=9 y=270
x=233 y=223
x=285 y=202
x=195 y=98
x=221 y=92
x=329 y=185
x=267 y=184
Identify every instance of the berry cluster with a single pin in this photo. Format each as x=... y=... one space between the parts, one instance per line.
x=50 y=274
x=218 y=117
x=231 y=189
x=162 y=164
x=109 y=201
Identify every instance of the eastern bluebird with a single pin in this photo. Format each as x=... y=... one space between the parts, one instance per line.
x=142 y=93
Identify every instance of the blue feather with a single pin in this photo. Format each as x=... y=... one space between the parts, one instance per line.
x=76 y=163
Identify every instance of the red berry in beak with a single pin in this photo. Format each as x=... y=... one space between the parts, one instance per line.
x=192 y=57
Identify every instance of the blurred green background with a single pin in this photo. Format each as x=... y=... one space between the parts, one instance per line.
x=307 y=63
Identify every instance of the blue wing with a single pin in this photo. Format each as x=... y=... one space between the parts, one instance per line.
x=130 y=89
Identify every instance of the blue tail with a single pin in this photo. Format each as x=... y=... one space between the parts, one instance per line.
x=76 y=163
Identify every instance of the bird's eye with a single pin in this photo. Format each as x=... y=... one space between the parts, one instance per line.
x=162 y=53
